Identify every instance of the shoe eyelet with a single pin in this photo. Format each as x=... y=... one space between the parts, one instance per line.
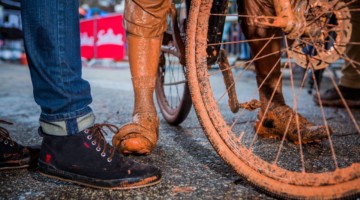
x=103 y=154
x=12 y=144
x=98 y=149
x=89 y=137
x=109 y=159
x=6 y=142
x=86 y=131
x=93 y=142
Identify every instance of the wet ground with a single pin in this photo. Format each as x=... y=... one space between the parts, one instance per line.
x=191 y=168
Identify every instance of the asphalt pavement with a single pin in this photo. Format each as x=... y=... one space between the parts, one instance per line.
x=191 y=167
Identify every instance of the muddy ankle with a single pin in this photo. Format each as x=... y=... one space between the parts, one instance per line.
x=148 y=120
x=144 y=87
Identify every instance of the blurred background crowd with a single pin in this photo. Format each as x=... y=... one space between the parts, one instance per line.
x=11 y=44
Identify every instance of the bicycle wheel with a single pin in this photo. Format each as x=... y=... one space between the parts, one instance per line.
x=323 y=170
x=172 y=90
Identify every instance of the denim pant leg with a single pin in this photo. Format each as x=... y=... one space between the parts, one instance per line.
x=52 y=42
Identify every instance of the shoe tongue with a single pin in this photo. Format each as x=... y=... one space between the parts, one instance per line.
x=100 y=137
x=100 y=131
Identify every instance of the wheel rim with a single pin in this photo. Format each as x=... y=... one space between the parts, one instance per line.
x=172 y=91
x=172 y=82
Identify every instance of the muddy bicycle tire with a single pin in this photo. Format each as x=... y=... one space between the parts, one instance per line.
x=172 y=90
x=343 y=182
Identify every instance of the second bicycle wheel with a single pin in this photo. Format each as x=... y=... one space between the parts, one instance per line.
x=324 y=170
x=172 y=90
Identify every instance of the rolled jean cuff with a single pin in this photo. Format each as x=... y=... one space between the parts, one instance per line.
x=63 y=125
x=146 y=18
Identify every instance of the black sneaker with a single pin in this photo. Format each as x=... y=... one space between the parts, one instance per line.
x=14 y=155
x=332 y=98
x=87 y=159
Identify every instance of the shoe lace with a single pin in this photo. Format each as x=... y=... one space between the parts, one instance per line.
x=4 y=134
x=98 y=132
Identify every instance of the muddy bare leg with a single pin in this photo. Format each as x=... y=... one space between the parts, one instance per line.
x=140 y=136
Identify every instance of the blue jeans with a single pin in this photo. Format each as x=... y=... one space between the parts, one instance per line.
x=52 y=43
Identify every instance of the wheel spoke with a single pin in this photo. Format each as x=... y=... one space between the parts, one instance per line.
x=247 y=66
x=260 y=86
x=324 y=119
x=295 y=109
x=344 y=101
x=291 y=118
x=267 y=108
x=282 y=140
x=246 y=41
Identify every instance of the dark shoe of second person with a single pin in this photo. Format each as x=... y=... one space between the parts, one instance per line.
x=14 y=155
x=331 y=97
x=87 y=159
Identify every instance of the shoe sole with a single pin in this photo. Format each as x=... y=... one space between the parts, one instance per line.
x=19 y=164
x=14 y=167
x=339 y=103
x=51 y=172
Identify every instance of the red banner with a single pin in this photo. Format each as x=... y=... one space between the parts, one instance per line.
x=87 y=37
x=108 y=40
x=110 y=37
